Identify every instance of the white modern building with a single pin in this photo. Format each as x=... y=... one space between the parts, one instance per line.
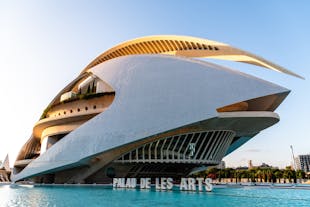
x=303 y=162
x=146 y=107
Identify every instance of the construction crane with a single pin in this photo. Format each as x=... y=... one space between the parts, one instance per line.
x=293 y=157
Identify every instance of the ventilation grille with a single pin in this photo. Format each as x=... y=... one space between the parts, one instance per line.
x=154 y=47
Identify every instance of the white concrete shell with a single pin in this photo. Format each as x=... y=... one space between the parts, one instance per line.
x=153 y=94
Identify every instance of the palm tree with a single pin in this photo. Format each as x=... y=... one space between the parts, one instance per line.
x=268 y=172
x=237 y=175
x=300 y=174
x=220 y=174
x=227 y=172
x=288 y=173
x=259 y=174
x=252 y=173
x=246 y=174
x=278 y=174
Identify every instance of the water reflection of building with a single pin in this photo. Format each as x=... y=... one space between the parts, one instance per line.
x=147 y=108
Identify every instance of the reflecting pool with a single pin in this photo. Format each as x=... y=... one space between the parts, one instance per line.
x=106 y=196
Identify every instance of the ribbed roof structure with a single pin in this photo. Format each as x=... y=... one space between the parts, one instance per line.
x=188 y=47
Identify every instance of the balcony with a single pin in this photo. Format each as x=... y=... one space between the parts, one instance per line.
x=71 y=113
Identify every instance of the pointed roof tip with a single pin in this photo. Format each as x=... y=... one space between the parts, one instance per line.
x=288 y=72
x=6 y=163
x=300 y=77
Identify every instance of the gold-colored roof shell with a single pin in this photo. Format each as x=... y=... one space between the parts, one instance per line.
x=185 y=46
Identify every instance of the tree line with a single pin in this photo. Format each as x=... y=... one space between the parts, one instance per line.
x=255 y=174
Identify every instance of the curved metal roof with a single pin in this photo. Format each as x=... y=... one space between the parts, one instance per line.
x=188 y=47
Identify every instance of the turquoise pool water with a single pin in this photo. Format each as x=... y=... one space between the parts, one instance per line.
x=105 y=196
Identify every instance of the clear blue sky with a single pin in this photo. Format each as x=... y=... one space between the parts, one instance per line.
x=45 y=44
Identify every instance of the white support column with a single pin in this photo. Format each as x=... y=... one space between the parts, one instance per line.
x=207 y=145
x=215 y=142
x=179 y=151
x=161 y=151
x=201 y=144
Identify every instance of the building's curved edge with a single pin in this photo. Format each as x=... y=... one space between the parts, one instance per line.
x=252 y=121
x=126 y=75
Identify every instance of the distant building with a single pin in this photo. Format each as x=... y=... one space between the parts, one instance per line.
x=303 y=162
x=264 y=165
x=222 y=165
x=250 y=165
x=5 y=165
x=242 y=168
x=5 y=170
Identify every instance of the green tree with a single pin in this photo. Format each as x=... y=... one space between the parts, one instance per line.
x=300 y=174
x=252 y=174
x=220 y=174
x=259 y=174
x=268 y=174
x=229 y=173
x=278 y=174
x=288 y=173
